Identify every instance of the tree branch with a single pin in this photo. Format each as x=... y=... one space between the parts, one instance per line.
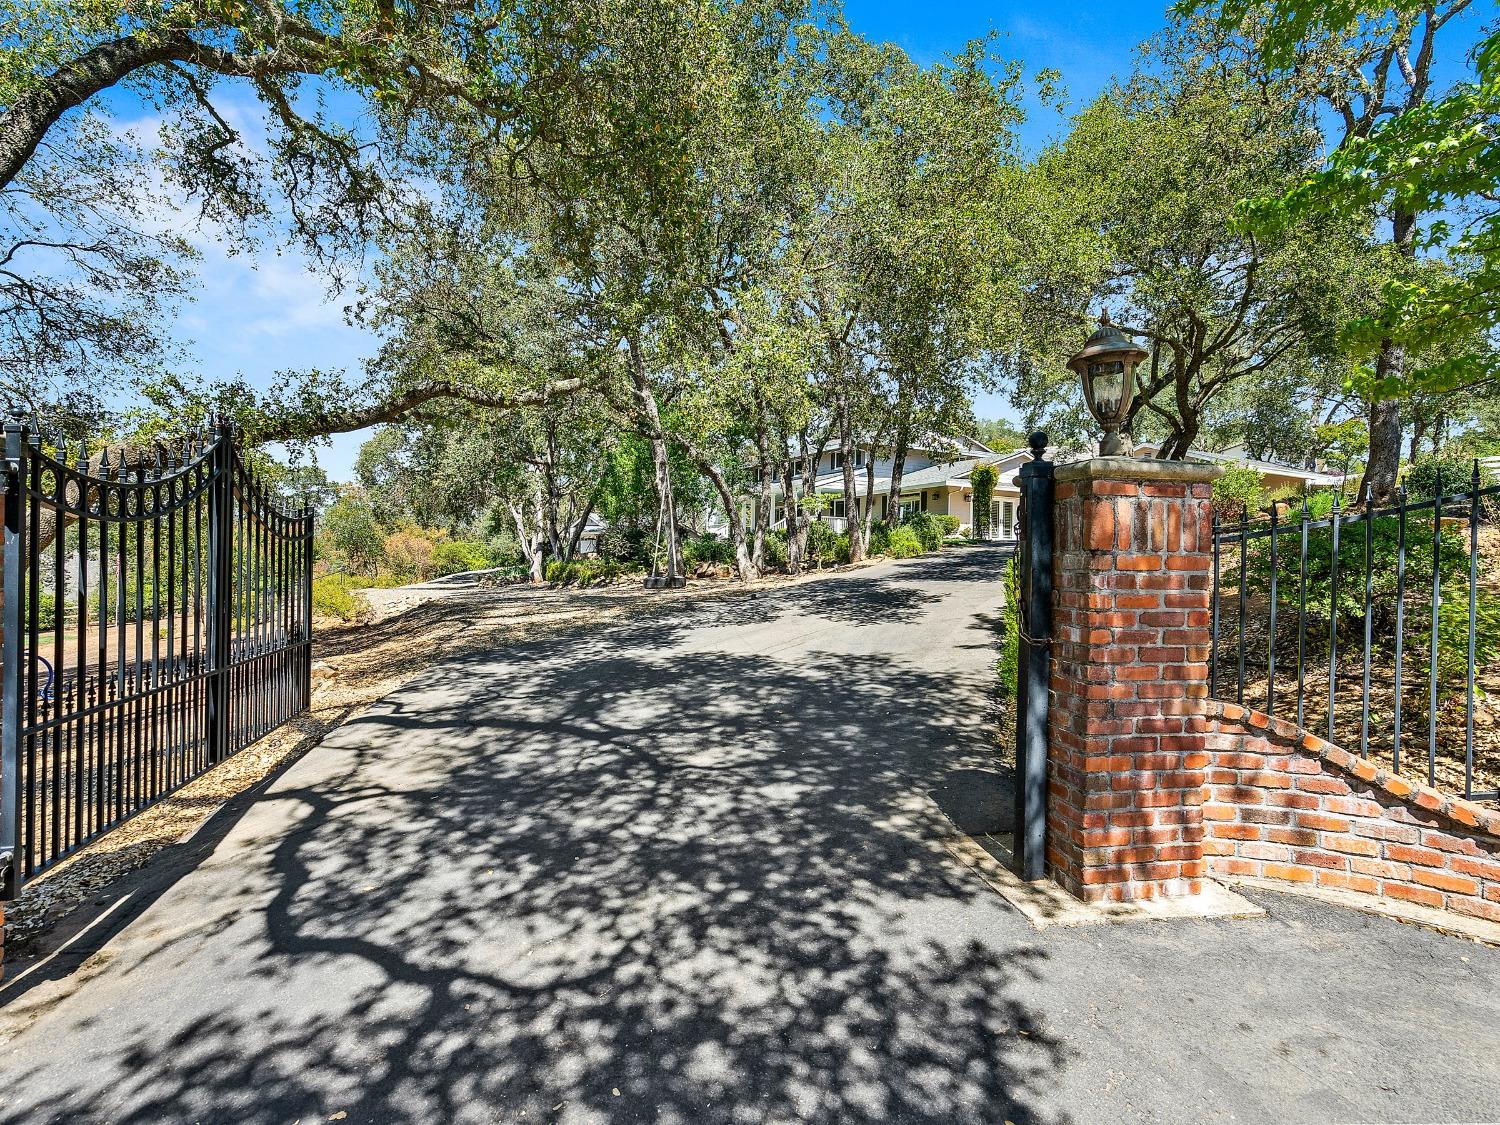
x=343 y=419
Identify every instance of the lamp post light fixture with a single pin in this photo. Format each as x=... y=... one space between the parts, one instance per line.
x=1107 y=366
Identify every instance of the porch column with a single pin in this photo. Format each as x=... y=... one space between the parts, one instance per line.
x=1131 y=574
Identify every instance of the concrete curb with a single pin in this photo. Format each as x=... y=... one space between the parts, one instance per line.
x=1044 y=903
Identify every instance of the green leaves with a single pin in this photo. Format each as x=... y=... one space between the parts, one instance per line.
x=1428 y=161
x=1139 y=211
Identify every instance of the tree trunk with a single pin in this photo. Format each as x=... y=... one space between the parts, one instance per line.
x=530 y=542
x=745 y=563
x=851 y=499
x=1418 y=432
x=867 y=518
x=1386 y=438
x=789 y=509
x=1384 y=462
x=898 y=470
x=576 y=531
x=650 y=415
x=765 y=506
x=1177 y=447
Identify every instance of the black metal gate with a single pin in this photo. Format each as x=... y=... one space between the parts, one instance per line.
x=156 y=619
x=1034 y=661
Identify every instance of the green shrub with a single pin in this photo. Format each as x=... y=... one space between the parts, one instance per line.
x=983 y=479
x=775 y=549
x=333 y=597
x=624 y=542
x=1450 y=558
x=902 y=543
x=1010 y=640
x=1457 y=471
x=1458 y=478
x=1452 y=562
x=1237 y=491
x=707 y=549
x=46 y=612
x=120 y=603
x=841 y=548
x=1453 y=634
x=928 y=529
x=353 y=535
x=948 y=524
x=585 y=572
x=822 y=542
x=455 y=556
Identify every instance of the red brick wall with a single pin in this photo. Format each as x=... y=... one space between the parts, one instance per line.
x=1283 y=804
x=1131 y=570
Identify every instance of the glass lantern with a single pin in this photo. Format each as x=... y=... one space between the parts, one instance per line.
x=1107 y=366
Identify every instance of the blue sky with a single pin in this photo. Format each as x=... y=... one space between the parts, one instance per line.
x=262 y=313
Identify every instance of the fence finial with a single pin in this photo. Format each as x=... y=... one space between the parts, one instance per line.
x=1038 y=443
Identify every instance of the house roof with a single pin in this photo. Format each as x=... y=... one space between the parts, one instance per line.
x=955 y=472
x=925 y=443
x=1313 y=477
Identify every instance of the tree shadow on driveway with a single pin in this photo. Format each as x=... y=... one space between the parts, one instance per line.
x=600 y=878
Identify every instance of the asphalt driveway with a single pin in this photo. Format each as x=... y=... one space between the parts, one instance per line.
x=688 y=870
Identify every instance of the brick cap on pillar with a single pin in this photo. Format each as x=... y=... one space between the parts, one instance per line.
x=1138 y=468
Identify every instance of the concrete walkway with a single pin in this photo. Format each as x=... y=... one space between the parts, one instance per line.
x=688 y=871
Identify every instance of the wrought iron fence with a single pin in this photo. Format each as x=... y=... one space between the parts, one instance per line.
x=1377 y=627
x=156 y=619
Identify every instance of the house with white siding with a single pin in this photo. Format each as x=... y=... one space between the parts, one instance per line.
x=935 y=479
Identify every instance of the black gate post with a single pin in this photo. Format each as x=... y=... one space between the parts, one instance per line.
x=12 y=481
x=220 y=591
x=1034 y=666
x=306 y=594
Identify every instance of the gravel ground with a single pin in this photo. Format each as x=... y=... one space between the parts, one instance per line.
x=410 y=629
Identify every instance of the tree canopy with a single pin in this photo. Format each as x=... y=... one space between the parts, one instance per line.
x=656 y=262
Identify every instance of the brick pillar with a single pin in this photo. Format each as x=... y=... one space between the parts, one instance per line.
x=1131 y=572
